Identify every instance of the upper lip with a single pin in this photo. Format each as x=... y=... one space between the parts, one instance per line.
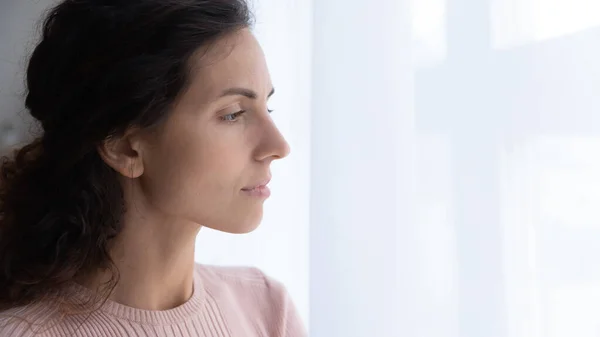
x=262 y=183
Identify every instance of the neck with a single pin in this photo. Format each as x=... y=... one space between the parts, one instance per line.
x=155 y=260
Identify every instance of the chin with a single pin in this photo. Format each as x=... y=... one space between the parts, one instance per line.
x=246 y=229
x=241 y=225
x=238 y=228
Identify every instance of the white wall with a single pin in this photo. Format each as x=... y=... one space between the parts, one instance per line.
x=17 y=24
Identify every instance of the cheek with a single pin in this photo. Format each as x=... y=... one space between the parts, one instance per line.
x=196 y=176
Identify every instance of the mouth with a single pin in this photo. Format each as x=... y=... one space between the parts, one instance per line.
x=261 y=184
x=259 y=190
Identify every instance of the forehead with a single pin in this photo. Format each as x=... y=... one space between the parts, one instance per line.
x=236 y=60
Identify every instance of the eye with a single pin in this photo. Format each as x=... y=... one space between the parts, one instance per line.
x=270 y=111
x=233 y=117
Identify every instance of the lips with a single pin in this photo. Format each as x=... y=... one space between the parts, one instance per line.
x=259 y=190
x=259 y=185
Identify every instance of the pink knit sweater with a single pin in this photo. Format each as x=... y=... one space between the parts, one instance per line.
x=232 y=302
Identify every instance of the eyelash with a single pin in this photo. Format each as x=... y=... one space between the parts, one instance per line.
x=236 y=115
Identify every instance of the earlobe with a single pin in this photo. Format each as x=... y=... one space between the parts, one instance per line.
x=122 y=156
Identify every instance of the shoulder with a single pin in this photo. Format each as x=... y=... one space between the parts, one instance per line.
x=247 y=290
x=27 y=321
x=242 y=276
x=248 y=280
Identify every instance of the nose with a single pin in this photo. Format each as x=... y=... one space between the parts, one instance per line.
x=273 y=145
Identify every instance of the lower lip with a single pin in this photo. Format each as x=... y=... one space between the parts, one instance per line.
x=261 y=192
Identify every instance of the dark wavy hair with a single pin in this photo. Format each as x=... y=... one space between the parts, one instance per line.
x=101 y=67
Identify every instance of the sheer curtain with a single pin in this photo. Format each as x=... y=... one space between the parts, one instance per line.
x=507 y=181
x=453 y=166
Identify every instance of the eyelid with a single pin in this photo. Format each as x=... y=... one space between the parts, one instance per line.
x=230 y=109
x=237 y=115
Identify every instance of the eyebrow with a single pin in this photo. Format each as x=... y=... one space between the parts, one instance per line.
x=243 y=92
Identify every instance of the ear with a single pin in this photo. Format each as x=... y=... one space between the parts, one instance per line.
x=123 y=154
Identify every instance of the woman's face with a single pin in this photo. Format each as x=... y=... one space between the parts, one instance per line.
x=205 y=162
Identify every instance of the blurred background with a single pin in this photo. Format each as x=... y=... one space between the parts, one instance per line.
x=445 y=170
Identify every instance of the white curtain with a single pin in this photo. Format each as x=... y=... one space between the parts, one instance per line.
x=445 y=173
x=454 y=164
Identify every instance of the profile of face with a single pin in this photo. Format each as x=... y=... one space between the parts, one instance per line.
x=208 y=162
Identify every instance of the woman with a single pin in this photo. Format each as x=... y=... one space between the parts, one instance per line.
x=155 y=124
